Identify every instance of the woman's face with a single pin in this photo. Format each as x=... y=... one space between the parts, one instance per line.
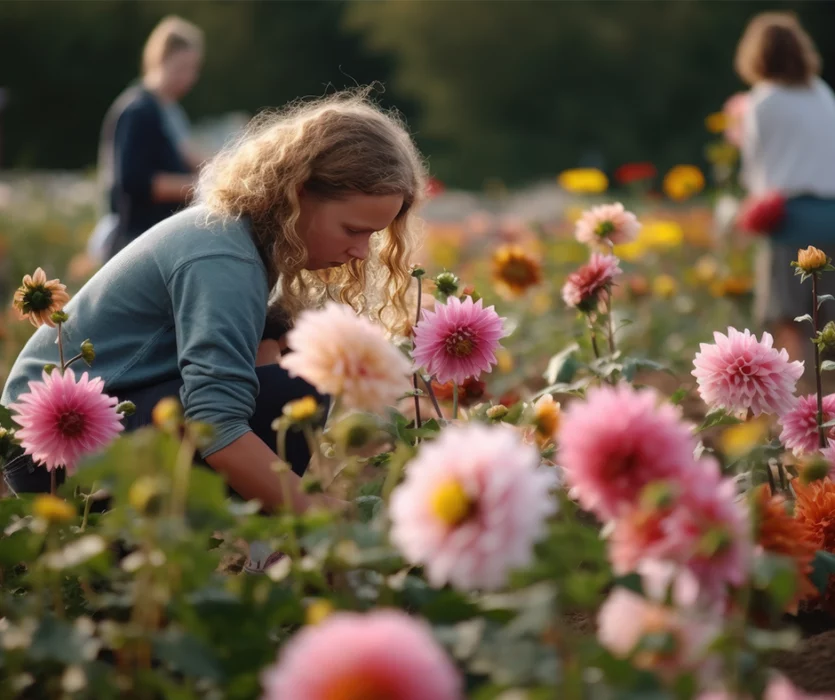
x=336 y=231
x=180 y=72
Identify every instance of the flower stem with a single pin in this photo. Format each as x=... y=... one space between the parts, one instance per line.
x=61 y=348
x=73 y=359
x=454 y=400
x=593 y=334
x=182 y=470
x=821 y=432
x=432 y=397
x=610 y=326
x=415 y=375
x=87 y=504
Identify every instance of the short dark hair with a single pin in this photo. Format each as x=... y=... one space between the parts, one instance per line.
x=775 y=47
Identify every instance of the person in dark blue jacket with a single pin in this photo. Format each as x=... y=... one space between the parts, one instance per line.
x=146 y=162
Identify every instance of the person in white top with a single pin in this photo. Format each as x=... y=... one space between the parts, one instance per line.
x=788 y=148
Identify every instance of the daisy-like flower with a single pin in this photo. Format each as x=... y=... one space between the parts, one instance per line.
x=607 y=225
x=616 y=442
x=800 y=424
x=458 y=340
x=815 y=509
x=654 y=637
x=38 y=298
x=346 y=355
x=583 y=287
x=381 y=654
x=62 y=420
x=740 y=373
x=472 y=505
x=515 y=271
x=778 y=532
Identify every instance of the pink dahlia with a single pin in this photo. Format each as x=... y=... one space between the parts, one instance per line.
x=740 y=373
x=631 y=626
x=616 y=442
x=458 y=340
x=606 y=225
x=472 y=505
x=350 y=656
x=800 y=424
x=583 y=287
x=62 y=420
x=346 y=355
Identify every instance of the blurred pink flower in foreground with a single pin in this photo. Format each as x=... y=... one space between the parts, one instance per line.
x=472 y=505
x=346 y=355
x=740 y=373
x=617 y=441
x=458 y=340
x=62 y=420
x=381 y=654
x=607 y=224
x=583 y=287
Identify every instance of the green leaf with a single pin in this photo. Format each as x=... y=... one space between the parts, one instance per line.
x=824 y=297
x=563 y=366
x=187 y=654
x=631 y=365
x=679 y=395
x=719 y=417
x=827 y=365
x=6 y=418
x=805 y=317
x=56 y=640
x=368 y=507
x=823 y=566
x=577 y=388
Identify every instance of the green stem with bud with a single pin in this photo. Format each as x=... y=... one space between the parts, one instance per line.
x=415 y=375
x=818 y=386
x=593 y=335
x=61 y=349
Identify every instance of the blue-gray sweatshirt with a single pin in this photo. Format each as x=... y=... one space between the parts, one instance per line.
x=186 y=298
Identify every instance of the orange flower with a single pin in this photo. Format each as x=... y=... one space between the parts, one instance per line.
x=815 y=508
x=38 y=298
x=515 y=270
x=683 y=181
x=470 y=392
x=779 y=533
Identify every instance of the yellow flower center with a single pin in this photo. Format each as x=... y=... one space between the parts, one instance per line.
x=451 y=503
x=301 y=410
x=460 y=343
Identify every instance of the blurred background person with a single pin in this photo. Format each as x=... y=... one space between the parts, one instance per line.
x=788 y=149
x=147 y=163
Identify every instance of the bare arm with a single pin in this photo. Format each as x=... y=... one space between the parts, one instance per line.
x=171 y=187
x=247 y=463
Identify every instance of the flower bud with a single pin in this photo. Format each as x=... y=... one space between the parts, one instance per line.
x=497 y=412
x=812 y=259
x=168 y=414
x=53 y=509
x=88 y=352
x=417 y=271
x=59 y=317
x=301 y=410
x=826 y=337
x=49 y=368
x=126 y=408
x=447 y=283
x=355 y=430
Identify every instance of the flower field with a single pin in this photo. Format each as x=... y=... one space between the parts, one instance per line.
x=582 y=473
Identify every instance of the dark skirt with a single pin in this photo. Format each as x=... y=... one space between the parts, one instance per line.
x=277 y=388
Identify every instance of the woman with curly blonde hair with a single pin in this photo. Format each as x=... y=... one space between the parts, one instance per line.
x=311 y=203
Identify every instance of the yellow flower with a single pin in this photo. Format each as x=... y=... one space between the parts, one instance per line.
x=631 y=251
x=546 y=419
x=505 y=360
x=167 y=414
x=53 y=509
x=451 y=503
x=664 y=286
x=515 y=270
x=583 y=181
x=811 y=259
x=706 y=269
x=661 y=234
x=145 y=494
x=38 y=298
x=318 y=610
x=737 y=285
x=739 y=440
x=716 y=123
x=302 y=409
x=683 y=181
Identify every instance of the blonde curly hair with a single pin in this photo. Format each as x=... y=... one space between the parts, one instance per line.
x=331 y=147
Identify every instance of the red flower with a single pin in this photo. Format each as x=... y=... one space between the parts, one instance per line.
x=634 y=172
x=434 y=187
x=762 y=215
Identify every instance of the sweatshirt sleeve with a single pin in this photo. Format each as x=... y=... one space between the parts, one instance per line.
x=219 y=304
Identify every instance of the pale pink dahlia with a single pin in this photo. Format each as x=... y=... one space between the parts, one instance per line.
x=800 y=424
x=607 y=224
x=62 y=420
x=739 y=373
x=616 y=442
x=583 y=287
x=346 y=355
x=350 y=656
x=458 y=340
x=472 y=505
x=631 y=626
